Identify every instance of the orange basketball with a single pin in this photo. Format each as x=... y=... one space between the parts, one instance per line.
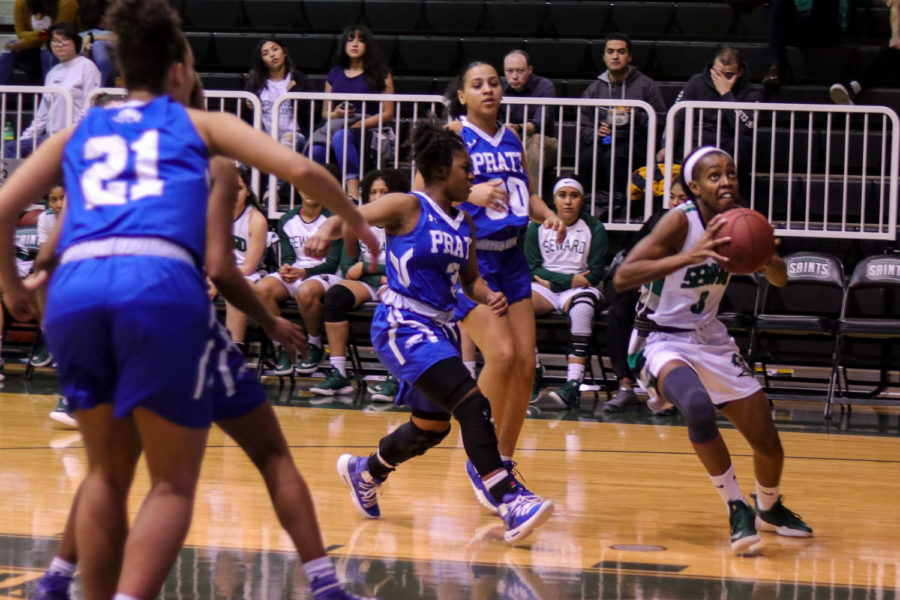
x=752 y=241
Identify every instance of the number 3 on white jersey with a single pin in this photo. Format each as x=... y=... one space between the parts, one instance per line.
x=517 y=199
x=101 y=183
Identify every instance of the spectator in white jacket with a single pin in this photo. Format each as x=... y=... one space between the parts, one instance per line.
x=76 y=74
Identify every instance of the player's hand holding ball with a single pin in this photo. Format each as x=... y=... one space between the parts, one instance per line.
x=751 y=241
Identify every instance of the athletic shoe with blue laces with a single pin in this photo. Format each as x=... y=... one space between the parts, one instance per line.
x=354 y=470
x=521 y=512
x=481 y=493
x=52 y=586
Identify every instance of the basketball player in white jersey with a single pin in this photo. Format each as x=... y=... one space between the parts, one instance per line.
x=682 y=353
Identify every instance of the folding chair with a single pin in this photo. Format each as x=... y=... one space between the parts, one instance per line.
x=795 y=327
x=868 y=332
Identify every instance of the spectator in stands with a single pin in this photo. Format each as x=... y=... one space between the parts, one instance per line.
x=620 y=319
x=519 y=81
x=98 y=42
x=75 y=74
x=722 y=80
x=250 y=232
x=32 y=20
x=802 y=23
x=565 y=277
x=620 y=81
x=360 y=285
x=272 y=73
x=359 y=69
x=303 y=278
x=885 y=64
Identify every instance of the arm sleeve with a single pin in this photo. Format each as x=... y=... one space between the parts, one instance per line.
x=41 y=117
x=330 y=264
x=22 y=23
x=346 y=260
x=288 y=256
x=597 y=251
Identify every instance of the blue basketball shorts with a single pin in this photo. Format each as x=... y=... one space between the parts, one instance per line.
x=135 y=331
x=505 y=271
x=233 y=388
x=408 y=344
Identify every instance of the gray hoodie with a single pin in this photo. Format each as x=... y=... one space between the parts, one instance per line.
x=636 y=86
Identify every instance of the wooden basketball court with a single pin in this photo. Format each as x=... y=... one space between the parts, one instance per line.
x=636 y=516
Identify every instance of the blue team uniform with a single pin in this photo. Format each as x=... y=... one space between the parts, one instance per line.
x=127 y=315
x=413 y=328
x=500 y=259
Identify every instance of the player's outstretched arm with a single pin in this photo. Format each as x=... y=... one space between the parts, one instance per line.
x=220 y=265
x=226 y=135
x=32 y=180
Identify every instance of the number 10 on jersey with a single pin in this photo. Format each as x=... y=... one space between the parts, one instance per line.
x=103 y=183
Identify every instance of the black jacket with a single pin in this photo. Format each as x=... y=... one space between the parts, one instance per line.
x=701 y=87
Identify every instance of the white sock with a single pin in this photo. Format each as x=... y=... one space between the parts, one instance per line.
x=470 y=365
x=60 y=566
x=575 y=371
x=505 y=458
x=314 y=340
x=766 y=497
x=727 y=485
x=340 y=364
x=320 y=574
x=121 y=596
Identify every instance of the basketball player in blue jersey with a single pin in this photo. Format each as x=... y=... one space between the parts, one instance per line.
x=683 y=354
x=128 y=301
x=240 y=408
x=500 y=204
x=429 y=249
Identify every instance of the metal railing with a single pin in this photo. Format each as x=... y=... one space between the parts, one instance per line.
x=609 y=196
x=383 y=144
x=813 y=170
x=18 y=106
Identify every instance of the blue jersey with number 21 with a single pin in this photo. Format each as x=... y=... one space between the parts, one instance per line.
x=137 y=170
x=497 y=156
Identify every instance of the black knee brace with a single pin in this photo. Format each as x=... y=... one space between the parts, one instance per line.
x=683 y=388
x=408 y=441
x=339 y=300
x=579 y=345
x=478 y=433
x=446 y=382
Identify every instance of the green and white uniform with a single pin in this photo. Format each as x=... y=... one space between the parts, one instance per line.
x=240 y=231
x=676 y=320
x=584 y=249
x=293 y=232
